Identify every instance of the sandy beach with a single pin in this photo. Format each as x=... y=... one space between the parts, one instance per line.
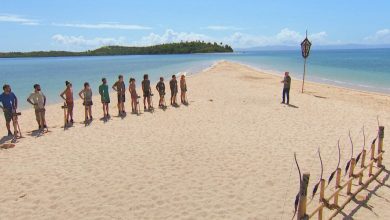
x=228 y=155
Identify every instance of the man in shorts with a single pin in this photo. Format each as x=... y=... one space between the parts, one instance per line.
x=105 y=97
x=286 y=88
x=173 y=86
x=146 y=90
x=9 y=105
x=161 y=91
x=38 y=100
x=120 y=87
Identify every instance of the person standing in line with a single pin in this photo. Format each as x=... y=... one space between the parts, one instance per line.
x=9 y=105
x=120 y=87
x=147 y=91
x=105 y=97
x=68 y=93
x=38 y=100
x=286 y=88
x=183 y=89
x=133 y=95
x=173 y=87
x=160 y=87
x=86 y=95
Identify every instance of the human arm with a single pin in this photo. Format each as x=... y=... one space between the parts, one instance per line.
x=101 y=90
x=114 y=87
x=80 y=94
x=15 y=103
x=44 y=100
x=29 y=99
x=62 y=95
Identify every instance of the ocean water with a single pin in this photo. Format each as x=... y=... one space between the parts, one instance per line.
x=365 y=69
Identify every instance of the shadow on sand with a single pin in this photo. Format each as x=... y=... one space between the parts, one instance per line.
x=5 y=139
x=363 y=203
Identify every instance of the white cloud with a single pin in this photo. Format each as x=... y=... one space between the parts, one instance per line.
x=81 y=41
x=110 y=25
x=285 y=37
x=17 y=19
x=380 y=37
x=221 y=28
x=171 y=36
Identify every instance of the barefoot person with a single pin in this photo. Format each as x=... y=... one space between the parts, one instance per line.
x=38 y=100
x=105 y=97
x=67 y=96
x=133 y=95
x=147 y=91
x=9 y=104
x=120 y=87
x=86 y=95
x=286 y=87
x=173 y=86
x=160 y=87
x=183 y=89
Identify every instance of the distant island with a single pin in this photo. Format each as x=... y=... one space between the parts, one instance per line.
x=171 y=48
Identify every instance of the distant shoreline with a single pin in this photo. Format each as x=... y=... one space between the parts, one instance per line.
x=162 y=49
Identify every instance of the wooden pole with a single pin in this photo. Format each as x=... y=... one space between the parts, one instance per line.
x=303 y=197
x=362 y=166
x=351 y=168
x=380 y=144
x=304 y=74
x=322 y=195
x=338 y=177
x=371 y=159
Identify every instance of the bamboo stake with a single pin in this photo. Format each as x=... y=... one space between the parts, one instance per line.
x=338 y=177
x=381 y=135
x=362 y=166
x=372 y=158
x=322 y=195
x=349 y=187
x=303 y=197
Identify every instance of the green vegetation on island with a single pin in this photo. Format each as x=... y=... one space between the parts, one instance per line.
x=171 y=48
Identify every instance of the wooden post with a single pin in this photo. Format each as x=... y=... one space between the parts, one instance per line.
x=304 y=74
x=303 y=197
x=371 y=159
x=351 y=168
x=322 y=195
x=362 y=166
x=338 y=177
x=380 y=144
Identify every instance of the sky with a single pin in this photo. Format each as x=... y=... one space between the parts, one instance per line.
x=78 y=25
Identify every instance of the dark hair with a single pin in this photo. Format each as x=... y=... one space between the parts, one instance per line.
x=146 y=76
x=86 y=84
x=36 y=85
x=173 y=76
x=5 y=86
x=132 y=80
x=120 y=76
x=67 y=83
x=103 y=79
x=161 y=78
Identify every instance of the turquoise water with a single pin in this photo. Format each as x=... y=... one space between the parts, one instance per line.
x=366 y=69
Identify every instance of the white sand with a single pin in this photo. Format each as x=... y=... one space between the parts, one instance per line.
x=229 y=155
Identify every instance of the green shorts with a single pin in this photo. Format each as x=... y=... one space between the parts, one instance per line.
x=8 y=115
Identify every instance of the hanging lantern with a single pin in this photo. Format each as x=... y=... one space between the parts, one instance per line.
x=305 y=47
